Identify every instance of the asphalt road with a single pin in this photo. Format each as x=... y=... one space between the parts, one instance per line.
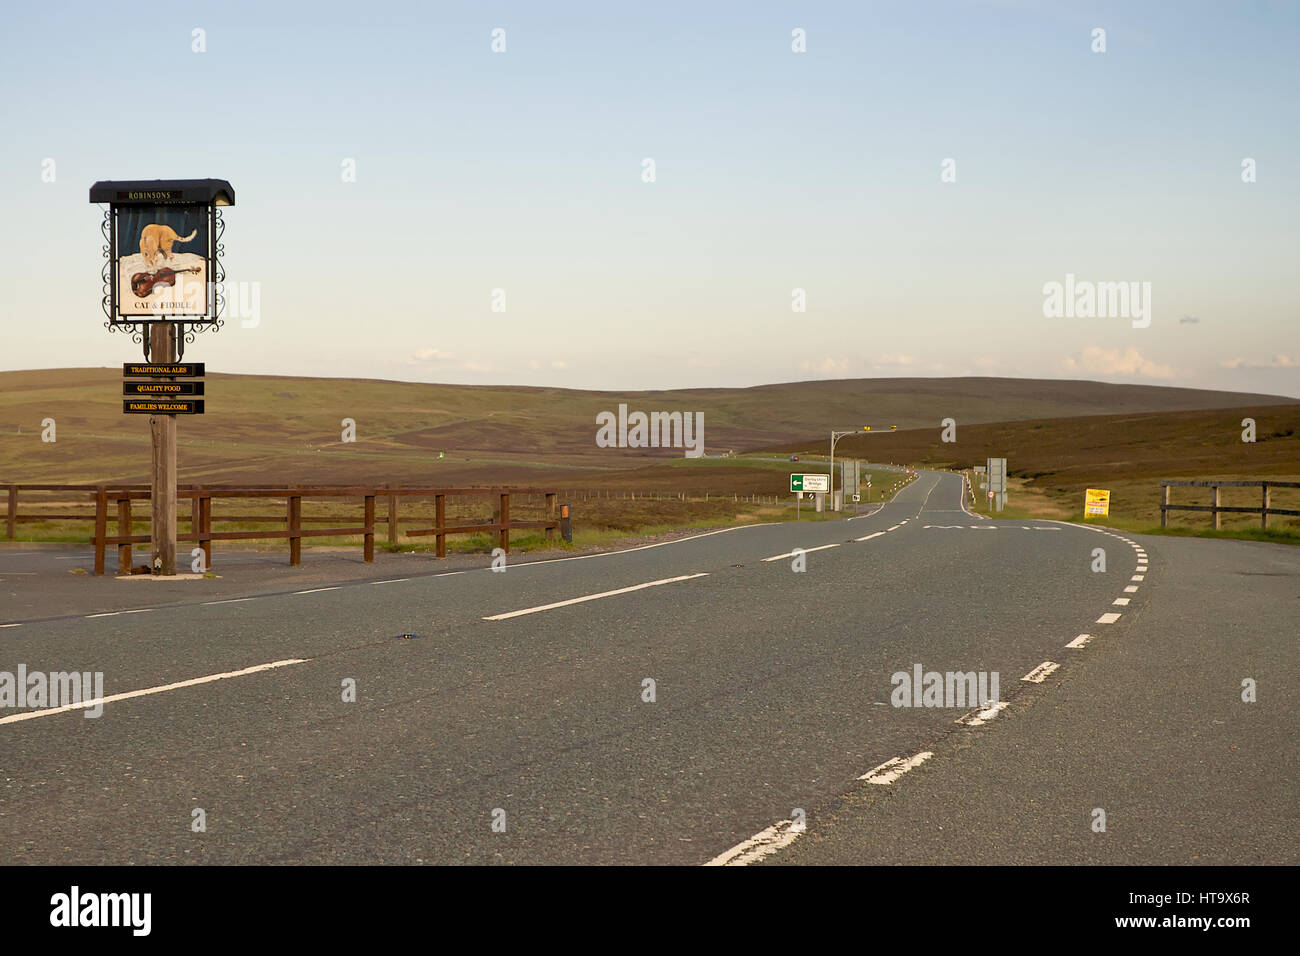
x=771 y=698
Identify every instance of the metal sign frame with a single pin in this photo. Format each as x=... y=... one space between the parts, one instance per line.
x=213 y=195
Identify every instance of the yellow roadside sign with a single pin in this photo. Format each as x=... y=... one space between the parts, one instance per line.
x=1096 y=501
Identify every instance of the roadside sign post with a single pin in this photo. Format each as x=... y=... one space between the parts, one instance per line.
x=163 y=283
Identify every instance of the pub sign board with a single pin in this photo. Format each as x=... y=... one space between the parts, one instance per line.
x=162 y=247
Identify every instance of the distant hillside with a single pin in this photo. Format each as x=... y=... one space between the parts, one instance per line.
x=288 y=429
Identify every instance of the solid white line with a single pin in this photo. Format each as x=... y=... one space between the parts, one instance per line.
x=593 y=597
x=1122 y=602
x=1108 y=618
x=317 y=590
x=31 y=715
x=227 y=601
x=790 y=554
x=761 y=844
x=1041 y=672
x=869 y=536
x=1079 y=641
x=891 y=770
x=643 y=547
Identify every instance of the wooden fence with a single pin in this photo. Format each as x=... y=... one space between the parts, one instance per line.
x=1215 y=509
x=113 y=502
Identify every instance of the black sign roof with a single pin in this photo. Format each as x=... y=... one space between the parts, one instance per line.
x=128 y=192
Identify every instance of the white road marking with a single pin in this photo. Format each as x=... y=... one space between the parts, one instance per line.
x=1138 y=577
x=1108 y=618
x=10 y=625
x=393 y=581
x=593 y=597
x=113 y=698
x=1041 y=672
x=758 y=846
x=990 y=527
x=1079 y=641
x=891 y=770
x=317 y=590
x=227 y=601
x=1131 y=589
x=869 y=536
x=895 y=527
x=140 y=610
x=790 y=554
x=1122 y=602
x=978 y=717
x=643 y=547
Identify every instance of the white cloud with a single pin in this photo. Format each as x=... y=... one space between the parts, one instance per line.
x=1099 y=361
x=1278 y=361
x=827 y=367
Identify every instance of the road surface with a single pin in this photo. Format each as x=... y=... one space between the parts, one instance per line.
x=517 y=722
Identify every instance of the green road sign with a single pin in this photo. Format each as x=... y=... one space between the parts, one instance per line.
x=820 y=483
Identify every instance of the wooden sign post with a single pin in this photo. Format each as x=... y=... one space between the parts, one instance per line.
x=163 y=273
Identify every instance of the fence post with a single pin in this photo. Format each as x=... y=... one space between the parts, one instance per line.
x=1164 y=505
x=1214 y=503
x=440 y=522
x=294 y=520
x=12 y=523
x=550 y=516
x=101 y=526
x=392 y=519
x=205 y=529
x=124 y=531
x=505 y=522
x=1264 y=508
x=370 y=528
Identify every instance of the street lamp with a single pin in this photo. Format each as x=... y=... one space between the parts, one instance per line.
x=836 y=436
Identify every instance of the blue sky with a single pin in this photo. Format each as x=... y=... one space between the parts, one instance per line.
x=775 y=170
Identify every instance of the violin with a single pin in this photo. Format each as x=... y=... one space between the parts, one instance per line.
x=142 y=283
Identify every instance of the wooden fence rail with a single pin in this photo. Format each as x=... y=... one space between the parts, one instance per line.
x=1215 y=509
x=114 y=501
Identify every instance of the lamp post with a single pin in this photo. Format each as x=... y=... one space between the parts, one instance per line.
x=836 y=436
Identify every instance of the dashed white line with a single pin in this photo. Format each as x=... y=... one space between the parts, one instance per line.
x=758 y=846
x=1138 y=577
x=141 y=610
x=1041 y=672
x=1122 y=602
x=1132 y=588
x=33 y=714
x=593 y=597
x=891 y=770
x=1080 y=641
x=227 y=601
x=317 y=590
x=978 y=717
x=393 y=581
x=1108 y=618
x=791 y=554
x=10 y=625
x=869 y=536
